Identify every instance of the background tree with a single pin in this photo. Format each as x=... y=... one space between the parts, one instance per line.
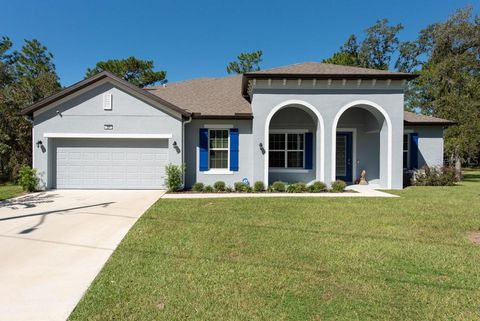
x=136 y=71
x=26 y=76
x=447 y=57
x=246 y=62
x=375 y=51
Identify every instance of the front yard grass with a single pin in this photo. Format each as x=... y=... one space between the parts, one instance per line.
x=406 y=258
x=9 y=190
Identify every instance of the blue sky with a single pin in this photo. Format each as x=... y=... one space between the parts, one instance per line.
x=191 y=39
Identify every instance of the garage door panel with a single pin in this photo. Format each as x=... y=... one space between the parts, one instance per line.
x=110 y=164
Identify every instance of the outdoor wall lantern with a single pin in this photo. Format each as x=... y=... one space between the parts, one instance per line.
x=39 y=144
x=261 y=148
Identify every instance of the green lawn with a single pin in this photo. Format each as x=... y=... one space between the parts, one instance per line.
x=9 y=191
x=406 y=258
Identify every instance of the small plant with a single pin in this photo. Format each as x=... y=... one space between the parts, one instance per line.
x=248 y=188
x=338 y=186
x=240 y=187
x=198 y=187
x=317 y=187
x=229 y=189
x=174 y=178
x=435 y=176
x=208 y=189
x=28 y=178
x=219 y=186
x=297 y=188
x=278 y=186
x=258 y=186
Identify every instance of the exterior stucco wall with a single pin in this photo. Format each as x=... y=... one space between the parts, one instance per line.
x=245 y=161
x=84 y=114
x=328 y=103
x=430 y=144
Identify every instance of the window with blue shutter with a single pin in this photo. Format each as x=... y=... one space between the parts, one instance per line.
x=308 y=150
x=203 y=143
x=234 y=149
x=413 y=150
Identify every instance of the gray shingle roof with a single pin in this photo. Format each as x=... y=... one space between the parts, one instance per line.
x=413 y=118
x=207 y=96
x=220 y=97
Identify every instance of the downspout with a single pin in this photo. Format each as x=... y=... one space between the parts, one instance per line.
x=183 y=147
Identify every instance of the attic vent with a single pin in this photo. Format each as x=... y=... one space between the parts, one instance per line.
x=107 y=101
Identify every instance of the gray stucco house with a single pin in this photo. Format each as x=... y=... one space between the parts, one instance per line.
x=301 y=122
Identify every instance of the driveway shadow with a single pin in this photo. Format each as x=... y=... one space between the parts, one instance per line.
x=43 y=215
x=28 y=201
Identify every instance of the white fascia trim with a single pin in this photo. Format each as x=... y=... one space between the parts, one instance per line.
x=288 y=131
x=218 y=126
x=389 y=136
x=116 y=136
x=320 y=138
x=218 y=172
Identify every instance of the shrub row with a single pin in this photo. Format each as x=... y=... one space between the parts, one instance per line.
x=277 y=187
x=436 y=176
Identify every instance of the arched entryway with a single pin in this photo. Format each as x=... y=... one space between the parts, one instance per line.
x=362 y=140
x=294 y=143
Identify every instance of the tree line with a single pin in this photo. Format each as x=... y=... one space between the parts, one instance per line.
x=445 y=55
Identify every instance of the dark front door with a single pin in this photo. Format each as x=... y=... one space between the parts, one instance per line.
x=344 y=156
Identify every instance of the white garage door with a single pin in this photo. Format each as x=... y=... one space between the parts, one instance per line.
x=110 y=163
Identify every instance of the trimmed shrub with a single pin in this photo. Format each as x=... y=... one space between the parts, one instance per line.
x=240 y=187
x=174 y=177
x=28 y=178
x=278 y=186
x=219 y=186
x=248 y=189
x=198 y=187
x=297 y=188
x=229 y=189
x=435 y=176
x=317 y=187
x=338 y=186
x=258 y=186
x=208 y=189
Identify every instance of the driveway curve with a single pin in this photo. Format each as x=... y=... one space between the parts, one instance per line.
x=54 y=243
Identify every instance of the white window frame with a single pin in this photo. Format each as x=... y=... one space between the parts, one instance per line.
x=226 y=170
x=286 y=150
x=406 y=150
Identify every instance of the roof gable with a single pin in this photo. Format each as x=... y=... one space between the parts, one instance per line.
x=96 y=79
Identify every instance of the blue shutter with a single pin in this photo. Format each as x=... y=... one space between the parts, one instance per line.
x=203 y=143
x=413 y=150
x=234 y=149
x=308 y=150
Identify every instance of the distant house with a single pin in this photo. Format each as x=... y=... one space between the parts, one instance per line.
x=302 y=122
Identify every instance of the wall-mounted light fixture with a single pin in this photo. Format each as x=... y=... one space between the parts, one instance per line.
x=39 y=143
x=59 y=113
x=174 y=144
x=261 y=148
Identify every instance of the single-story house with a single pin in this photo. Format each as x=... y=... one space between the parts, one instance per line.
x=302 y=122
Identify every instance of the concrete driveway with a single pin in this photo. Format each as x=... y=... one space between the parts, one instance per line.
x=53 y=244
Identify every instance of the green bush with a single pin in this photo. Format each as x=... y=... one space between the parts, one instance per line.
x=219 y=186
x=240 y=187
x=174 y=178
x=258 y=186
x=208 y=189
x=28 y=178
x=198 y=187
x=338 y=186
x=297 y=188
x=229 y=189
x=248 y=189
x=435 y=176
x=317 y=187
x=278 y=186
